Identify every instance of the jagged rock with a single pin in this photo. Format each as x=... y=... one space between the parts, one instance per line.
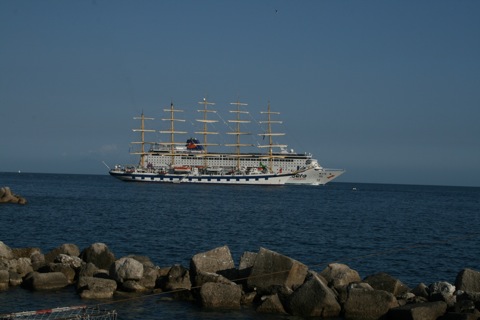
x=38 y=260
x=271 y=304
x=73 y=262
x=45 y=281
x=96 y=288
x=6 y=196
x=15 y=279
x=204 y=277
x=143 y=260
x=68 y=249
x=220 y=296
x=467 y=298
x=149 y=278
x=273 y=269
x=418 y=311
x=314 y=299
x=247 y=260
x=65 y=269
x=339 y=275
x=468 y=280
x=442 y=291
x=218 y=260
x=126 y=269
x=365 y=304
x=5 y=251
x=24 y=252
x=248 y=298
x=421 y=290
x=22 y=266
x=98 y=254
x=4 y=280
x=384 y=281
x=91 y=270
x=177 y=278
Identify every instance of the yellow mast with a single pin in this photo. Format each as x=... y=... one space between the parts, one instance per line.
x=142 y=142
x=238 y=121
x=205 y=122
x=270 y=135
x=172 y=131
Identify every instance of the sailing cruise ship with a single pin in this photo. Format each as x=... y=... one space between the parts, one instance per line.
x=192 y=162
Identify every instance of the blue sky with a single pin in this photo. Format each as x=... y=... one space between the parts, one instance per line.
x=388 y=90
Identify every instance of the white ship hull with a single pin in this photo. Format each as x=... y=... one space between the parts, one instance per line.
x=254 y=179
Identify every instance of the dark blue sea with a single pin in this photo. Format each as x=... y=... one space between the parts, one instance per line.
x=415 y=233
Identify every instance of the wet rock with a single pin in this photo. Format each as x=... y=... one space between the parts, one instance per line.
x=96 y=288
x=126 y=269
x=220 y=296
x=273 y=269
x=366 y=304
x=418 y=311
x=218 y=260
x=468 y=280
x=314 y=299
x=384 y=281
x=271 y=304
x=339 y=275
x=98 y=254
x=45 y=281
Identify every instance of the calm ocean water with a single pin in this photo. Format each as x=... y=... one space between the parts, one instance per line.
x=415 y=233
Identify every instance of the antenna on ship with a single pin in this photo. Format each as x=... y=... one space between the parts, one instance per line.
x=142 y=142
x=172 y=130
x=270 y=134
x=205 y=122
x=238 y=121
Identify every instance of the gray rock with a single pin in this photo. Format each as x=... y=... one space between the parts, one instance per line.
x=5 y=251
x=68 y=249
x=126 y=269
x=98 y=254
x=65 y=269
x=314 y=299
x=38 y=260
x=204 y=277
x=339 y=275
x=418 y=311
x=149 y=278
x=273 y=269
x=220 y=296
x=96 y=288
x=177 y=278
x=73 y=262
x=218 y=260
x=25 y=252
x=365 y=304
x=468 y=280
x=442 y=291
x=384 y=281
x=15 y=279
x=4 y=280
x=247 y=260
x=421 y=290
x=271 y=304
x=45 y=281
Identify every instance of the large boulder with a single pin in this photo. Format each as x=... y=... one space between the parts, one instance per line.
x=314 y=299
x=65 y=249
x=177 y=279
x=6 y=196
x=45 y=281
x=271 y=304
x=247 y=260
x=418 y=311
x=468 y=280
x=5 y=251
x=442 y=291
x=365 y=304
x=218 y=260
x=96 y=288
x=220 y=296
x=272 y=269
x=99 y=254
x=126 y=269
x=384 y=281
x=339 y=275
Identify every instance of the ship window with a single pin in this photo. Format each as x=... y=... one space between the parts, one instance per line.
x=152 y=178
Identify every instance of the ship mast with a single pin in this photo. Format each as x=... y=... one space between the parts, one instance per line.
x=205 y=122
x=238 y=121
x=270 y=135
x=142 y=142
x=172 y=131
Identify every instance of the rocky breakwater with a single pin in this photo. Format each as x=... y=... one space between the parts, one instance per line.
x=266 y=281
x=6 y=196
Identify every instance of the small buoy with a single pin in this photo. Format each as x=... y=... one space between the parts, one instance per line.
x=354 y=189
